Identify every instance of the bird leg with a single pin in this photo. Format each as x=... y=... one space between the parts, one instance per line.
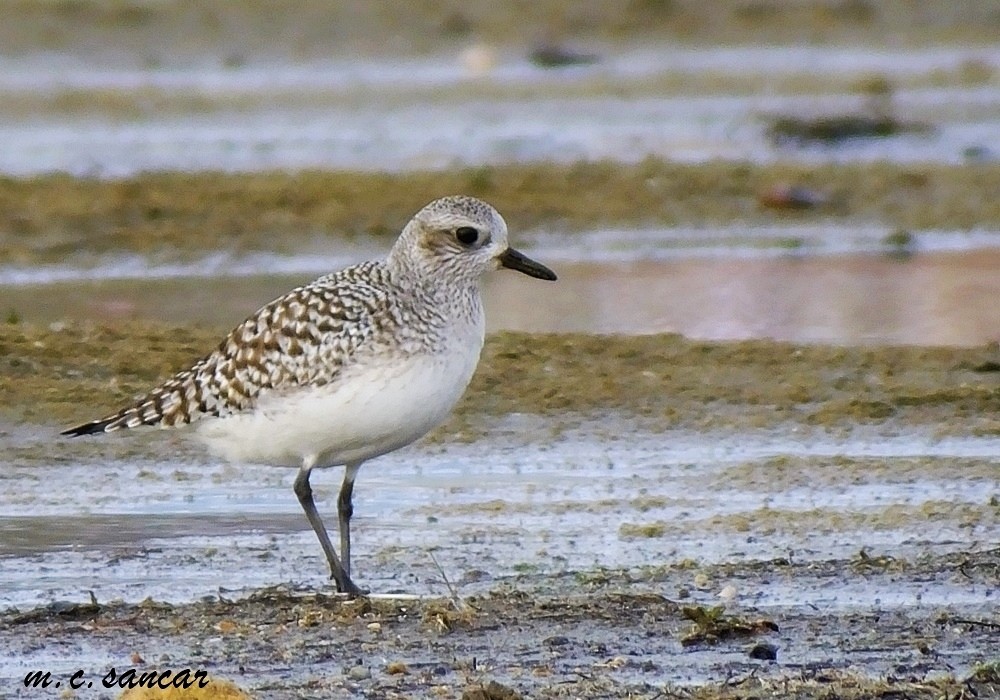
x=304 y=493
x=345 y=509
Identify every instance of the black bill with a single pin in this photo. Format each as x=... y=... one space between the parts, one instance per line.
x=514 y=260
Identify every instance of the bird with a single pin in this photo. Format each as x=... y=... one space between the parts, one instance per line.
x=351 y=366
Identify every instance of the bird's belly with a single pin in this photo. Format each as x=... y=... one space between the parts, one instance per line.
x=368 y=412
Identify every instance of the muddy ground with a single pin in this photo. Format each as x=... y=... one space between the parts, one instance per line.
x=571 y=631
x=170 y=30
x=590 y=632
x=611 y=635
x=47 y=374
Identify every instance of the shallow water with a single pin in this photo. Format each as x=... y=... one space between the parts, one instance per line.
x=641 y=284
x=403 y=114
x=180 y=527
x=150 y=516
x=47 y=72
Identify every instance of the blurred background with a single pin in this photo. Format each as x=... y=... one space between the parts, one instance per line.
x=813 y=170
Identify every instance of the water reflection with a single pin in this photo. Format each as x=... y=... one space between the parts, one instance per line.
x=941 y=299
x=933 y=299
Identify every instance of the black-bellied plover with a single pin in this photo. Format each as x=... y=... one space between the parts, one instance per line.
x=354 y=365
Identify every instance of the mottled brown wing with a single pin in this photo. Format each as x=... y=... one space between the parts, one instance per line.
x=301 y=339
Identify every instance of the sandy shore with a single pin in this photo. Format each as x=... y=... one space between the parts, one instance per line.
x=184 y=215
x=162 y=31
x=551 y=639
x=577 y=631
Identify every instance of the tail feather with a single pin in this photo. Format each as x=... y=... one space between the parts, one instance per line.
x=94 y=426
x=168 y=405
x=146 y=411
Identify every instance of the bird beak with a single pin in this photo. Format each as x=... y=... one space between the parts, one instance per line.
x=515 y=260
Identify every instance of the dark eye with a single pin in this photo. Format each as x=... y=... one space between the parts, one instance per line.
x=466 y=235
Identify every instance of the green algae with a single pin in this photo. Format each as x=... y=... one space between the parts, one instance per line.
x=71 y=372
x=57 y=218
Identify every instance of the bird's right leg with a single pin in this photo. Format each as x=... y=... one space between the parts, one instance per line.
x=345 y=509
x=304 y=493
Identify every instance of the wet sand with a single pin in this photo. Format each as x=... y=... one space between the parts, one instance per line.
x=618 y=639
x=570 y=530
x=165 y=30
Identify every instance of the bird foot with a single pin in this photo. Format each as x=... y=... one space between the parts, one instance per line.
x=348 y=588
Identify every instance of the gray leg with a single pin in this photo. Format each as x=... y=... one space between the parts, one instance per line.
x=345 y=509
x=304 y=493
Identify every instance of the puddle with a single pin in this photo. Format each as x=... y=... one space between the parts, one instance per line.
x=180 y=528
x=612 y=245
x=758 y=290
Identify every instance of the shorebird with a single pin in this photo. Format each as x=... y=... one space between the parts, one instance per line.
x=349 y=367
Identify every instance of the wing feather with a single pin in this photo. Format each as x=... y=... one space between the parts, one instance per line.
x=303 y=338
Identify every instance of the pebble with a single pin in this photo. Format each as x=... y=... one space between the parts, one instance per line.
x=359 y=673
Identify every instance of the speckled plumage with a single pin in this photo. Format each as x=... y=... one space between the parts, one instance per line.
x=353 y=365
x=305 y=338
x=302 y=339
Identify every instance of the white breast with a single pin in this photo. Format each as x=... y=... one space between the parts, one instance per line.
x=372 y=409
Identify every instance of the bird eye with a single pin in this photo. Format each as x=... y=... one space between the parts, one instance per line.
x=466 y=235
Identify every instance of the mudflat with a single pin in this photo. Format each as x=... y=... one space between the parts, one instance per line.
x=673 y=622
